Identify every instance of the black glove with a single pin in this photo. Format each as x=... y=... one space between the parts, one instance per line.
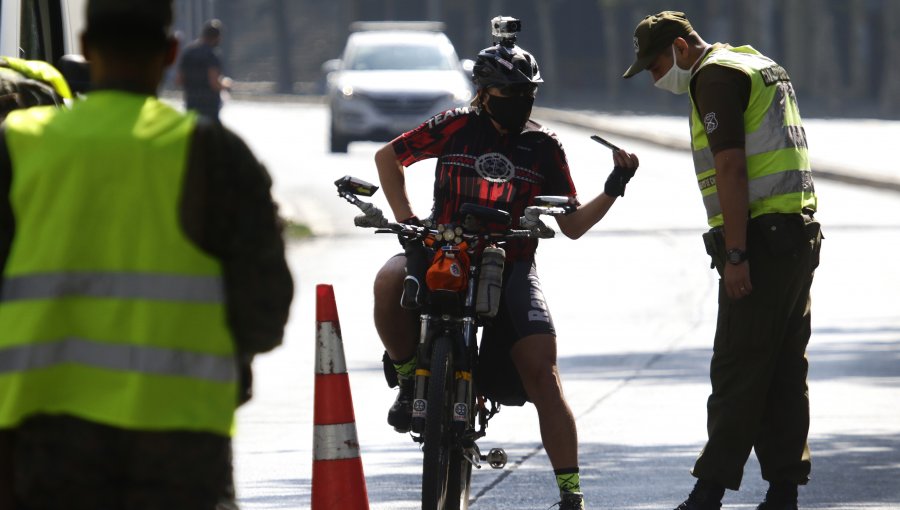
x=412 y=220
x=415 y=222
x=618 y=178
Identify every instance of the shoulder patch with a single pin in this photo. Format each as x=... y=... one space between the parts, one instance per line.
x=710 y=122
x=774 y=74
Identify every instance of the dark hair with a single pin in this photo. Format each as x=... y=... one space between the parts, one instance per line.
x=129 y=26
x=693 y=38
x=212 y=29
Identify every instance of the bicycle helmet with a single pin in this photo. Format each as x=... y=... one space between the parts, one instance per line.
x=504 y=65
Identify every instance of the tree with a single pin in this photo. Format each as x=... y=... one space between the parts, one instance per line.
x=285 y=76
x=857 y=56
x=825 y=75
x=613 y=34
x=547 y=30
x=796 y=44
x=890 y=79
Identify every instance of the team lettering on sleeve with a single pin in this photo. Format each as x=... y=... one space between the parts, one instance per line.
x=440 y=118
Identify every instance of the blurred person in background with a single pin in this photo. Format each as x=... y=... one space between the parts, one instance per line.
x=200 y=72
x=752 y=167
x=142 y=267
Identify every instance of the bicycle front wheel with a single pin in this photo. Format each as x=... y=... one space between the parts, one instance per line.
x=445 y=473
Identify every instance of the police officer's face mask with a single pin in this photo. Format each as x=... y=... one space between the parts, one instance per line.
x=676 y=80
x=510 y=112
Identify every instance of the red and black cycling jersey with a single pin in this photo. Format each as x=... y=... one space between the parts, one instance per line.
x=478 y=164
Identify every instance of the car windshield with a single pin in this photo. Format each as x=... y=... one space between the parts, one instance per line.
x=399 y=57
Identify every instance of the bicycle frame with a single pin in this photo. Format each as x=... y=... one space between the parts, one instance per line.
x=444 y=405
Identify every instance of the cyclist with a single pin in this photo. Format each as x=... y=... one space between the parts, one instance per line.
x=492 y=154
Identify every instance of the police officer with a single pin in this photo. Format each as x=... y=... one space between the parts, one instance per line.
x=142 y=268
x=753 y=170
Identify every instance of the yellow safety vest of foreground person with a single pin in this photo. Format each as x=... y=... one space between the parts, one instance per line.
x=778 y=168
x=107 y=311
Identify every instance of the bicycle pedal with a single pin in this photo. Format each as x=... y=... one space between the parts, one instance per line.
x=497 y=458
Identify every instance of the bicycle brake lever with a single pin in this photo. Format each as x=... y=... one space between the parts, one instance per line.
x=532 y=218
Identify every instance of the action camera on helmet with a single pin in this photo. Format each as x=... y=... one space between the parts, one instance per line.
x=504 y=64
x=504 y=30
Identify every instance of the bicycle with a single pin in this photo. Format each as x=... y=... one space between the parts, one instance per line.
x=446 y=400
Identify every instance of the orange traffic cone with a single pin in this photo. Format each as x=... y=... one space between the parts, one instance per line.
x=337 y=480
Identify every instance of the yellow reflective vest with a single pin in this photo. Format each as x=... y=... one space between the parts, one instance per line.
x=778 y=168
x=108 y=312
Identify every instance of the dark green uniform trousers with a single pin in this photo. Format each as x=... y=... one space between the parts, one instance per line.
x=59 y=462
x=759 y=398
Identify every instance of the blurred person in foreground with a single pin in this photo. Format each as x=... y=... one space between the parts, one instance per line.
x=27 y=83
x=492 y=154
x=753 y=170
x=200 y=72
x=142 y=268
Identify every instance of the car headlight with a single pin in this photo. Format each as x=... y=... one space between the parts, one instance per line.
x=463 y=95
x=347 y=92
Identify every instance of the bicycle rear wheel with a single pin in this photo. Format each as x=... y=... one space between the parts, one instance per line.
x=445 y=473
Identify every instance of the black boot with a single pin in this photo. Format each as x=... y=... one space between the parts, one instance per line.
x=570 y=501
x=780 y=496
x=705 y=496
x=400 y=414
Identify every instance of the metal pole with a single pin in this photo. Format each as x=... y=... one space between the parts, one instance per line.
x=434 y=12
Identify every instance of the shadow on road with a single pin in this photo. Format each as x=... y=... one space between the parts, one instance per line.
x=871 y=360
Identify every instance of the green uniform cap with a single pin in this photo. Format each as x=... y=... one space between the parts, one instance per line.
x=653 y=34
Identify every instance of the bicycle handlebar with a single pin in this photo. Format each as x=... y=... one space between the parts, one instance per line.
x=373 y=217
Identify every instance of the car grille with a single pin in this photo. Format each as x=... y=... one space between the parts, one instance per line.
x=404 y=105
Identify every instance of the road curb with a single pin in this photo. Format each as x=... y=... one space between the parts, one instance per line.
x=822 y=170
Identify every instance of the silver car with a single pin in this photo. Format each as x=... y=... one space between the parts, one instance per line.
x=391 y=78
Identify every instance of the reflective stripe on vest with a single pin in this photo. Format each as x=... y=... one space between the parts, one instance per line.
x=163 y=287
x=778 y=169
x=131 y=358
x=108 y=311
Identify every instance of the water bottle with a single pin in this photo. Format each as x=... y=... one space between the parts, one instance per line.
x=490 y=281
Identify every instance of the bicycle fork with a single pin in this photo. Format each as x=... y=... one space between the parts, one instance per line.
x=423 y=372
x=463 y=419
x=463 y=422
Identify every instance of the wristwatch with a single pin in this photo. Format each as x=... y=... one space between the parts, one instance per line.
x=735 y=256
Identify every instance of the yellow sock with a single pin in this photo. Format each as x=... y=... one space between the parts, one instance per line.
x=568 y=480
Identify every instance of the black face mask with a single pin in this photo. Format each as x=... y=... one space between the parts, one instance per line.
x=510 y=112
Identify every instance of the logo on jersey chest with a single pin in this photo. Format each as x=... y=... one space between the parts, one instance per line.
x=495 y=167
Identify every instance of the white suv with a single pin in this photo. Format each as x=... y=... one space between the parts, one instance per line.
x=391 y=78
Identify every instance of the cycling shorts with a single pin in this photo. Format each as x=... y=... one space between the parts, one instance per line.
x=523 y=309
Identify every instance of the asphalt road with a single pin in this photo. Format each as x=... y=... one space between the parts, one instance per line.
x=634 y=303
